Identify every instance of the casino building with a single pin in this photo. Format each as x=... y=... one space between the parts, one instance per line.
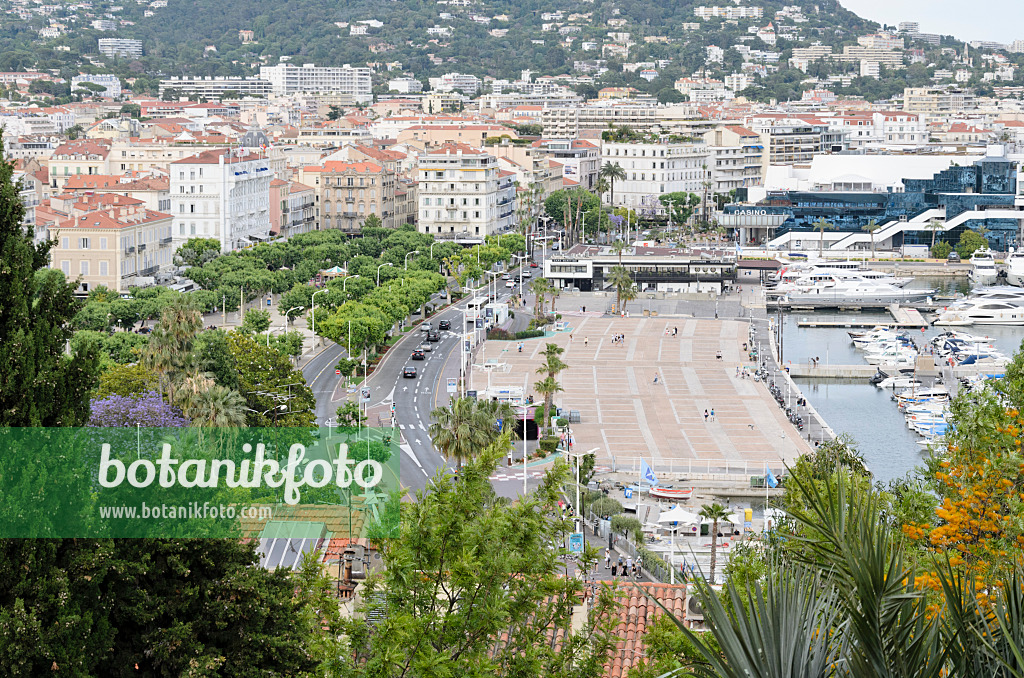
x=982 y=194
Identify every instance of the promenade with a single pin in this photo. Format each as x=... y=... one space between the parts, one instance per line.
x=626 y=415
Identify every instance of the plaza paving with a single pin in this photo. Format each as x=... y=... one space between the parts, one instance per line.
x=626 y=415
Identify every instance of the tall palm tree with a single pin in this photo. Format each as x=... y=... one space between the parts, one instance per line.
x=618 y=247
x=490 y=412
x=934 y=226
x=871 y=227
x=619 y=279
x=547 y=387
x=552 y=364
x=715 y=513
x=217 y=406
x=821 y=226
x=612 y=171
x=169 y=350
x=540 y=288
x=456 y=431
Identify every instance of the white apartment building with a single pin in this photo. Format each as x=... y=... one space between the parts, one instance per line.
x=291 y=79
x=728 y=12
x=450 y=82
x=214 y=88
x=120 y=47
x=405 y=85
x=108 y=80
x=736 y=158
x=222 y=194
x=881 y=41
x=654 y=168
x=463 y=194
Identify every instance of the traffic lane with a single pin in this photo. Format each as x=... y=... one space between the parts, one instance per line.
x=320 y=376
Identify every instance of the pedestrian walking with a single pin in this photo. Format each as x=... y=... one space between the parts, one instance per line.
x=615 y=569
x=629 y=565
x=705 y=416
x=712 y=414
x=520 y=347
x=607 y=558
x=586 y=341
x=655 y=377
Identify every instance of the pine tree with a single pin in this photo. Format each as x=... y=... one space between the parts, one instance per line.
x=40 y=384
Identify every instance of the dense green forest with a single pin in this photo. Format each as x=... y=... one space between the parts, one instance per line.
x=176 y=39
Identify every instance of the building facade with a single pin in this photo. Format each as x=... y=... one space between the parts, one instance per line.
x=215 y=88
x=120 y=47
x=291 y=79
x=292 y=208
x=463 y=194
x=656 y=168
x=221 y=194
x=346 y=193
x=736 y=158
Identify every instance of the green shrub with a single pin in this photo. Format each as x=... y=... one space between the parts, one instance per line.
x=625 y=524
x=606 y=506
x=499 y=334
x=561 y=422
x=529 y=334
x=549 y=444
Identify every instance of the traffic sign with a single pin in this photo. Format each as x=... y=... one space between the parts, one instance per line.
x=628 y=493
x=576 y=542
x=365 y=395
x=453 y=384
x=337 y=371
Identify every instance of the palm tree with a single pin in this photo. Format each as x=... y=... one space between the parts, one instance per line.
x=612 y=171
x=216 y=406
x=547 y=388
x=871 y=227
x=169 y=350
x=456 y=430
x=618 y=247
x=490 y=412
x=715 y=513
x=821 y=226
x=552 y=364
x=934 y=226
x=540 y=288
x=620 y=280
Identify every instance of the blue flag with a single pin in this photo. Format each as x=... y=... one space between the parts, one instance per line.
x=770 y=477
x=647 y=474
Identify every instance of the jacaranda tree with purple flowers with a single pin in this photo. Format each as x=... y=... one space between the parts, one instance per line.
x=147 y=409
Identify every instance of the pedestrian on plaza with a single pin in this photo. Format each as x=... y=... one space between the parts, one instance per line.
x=584 y=309
x=520 y=347
x=586 y=341
x=712 y=414
x=570 y=337
x=607 y=558
x=655 y=377
x=675 y=331
x=615 y=569
x=705 y=416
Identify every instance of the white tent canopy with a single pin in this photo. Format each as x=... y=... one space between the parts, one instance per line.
x=679 y=515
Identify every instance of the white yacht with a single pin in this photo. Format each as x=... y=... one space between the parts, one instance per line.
x=1015 y=268
x=855 y=293
x=981 y=311
x=983 y=267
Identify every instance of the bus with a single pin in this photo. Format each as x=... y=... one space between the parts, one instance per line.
x=475 y=309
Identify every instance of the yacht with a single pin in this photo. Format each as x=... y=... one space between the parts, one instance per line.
x=1015 y=269
x=983 y=267
x=855 y=293
x=981 y=311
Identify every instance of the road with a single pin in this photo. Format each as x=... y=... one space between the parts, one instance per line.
x=413 y=399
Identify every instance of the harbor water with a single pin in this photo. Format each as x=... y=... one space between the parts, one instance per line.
x=857 y=408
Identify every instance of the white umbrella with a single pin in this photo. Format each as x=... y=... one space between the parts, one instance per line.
x=735 y=519
x=679 y=515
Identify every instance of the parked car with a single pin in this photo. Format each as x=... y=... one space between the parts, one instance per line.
x=433 y=336
x=426 y=327
x=409 y=372
x=418 y=355
x=953 y=258
x=444 y=325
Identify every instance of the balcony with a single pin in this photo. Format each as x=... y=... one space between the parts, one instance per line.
x=350 y=215
x=149 y=271
x=129 y=250
x=142 y=247
x=166 y=241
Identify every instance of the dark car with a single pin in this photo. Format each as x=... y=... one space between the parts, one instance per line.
x=444 y=324
x=433 y=336
x=418 y=355
x=409 y=372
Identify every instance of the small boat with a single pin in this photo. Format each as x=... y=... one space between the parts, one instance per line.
x=666 y=492
x=983 y=267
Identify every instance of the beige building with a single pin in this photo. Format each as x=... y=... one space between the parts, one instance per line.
x=405 y=202
x=147 y=155
x=154 y=192
x=428 y=137
x=348 y=192
x=108 y=240
x=292 y=208
x=736 y=158
x=84 y=156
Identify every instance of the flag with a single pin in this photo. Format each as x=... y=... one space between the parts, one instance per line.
x=770 y=478
x=647 y=474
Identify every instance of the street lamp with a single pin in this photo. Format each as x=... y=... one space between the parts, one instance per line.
x=521 y=267
x=344 y=282
x=407 y=258
x=378 y=273
x=494 y=275
x=312 y=310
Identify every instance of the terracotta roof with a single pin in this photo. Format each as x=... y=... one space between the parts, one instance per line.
x=569 y=182
x=213 y=156
x=83 y=147
x=742 y=131
x=341 y=166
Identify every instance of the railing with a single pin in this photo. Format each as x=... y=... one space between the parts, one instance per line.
x=142 y=248
x=146 y=272
x=350 y=215
x=129 y=250
x=622 y=542
x=692 y=467
x=166 y=241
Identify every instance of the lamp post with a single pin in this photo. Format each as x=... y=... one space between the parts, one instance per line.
x=312 y=310
x=284 y=324
x=521 y=267
x=344 y=283
x=494 y=277
x=407 y=258
x=378 y=273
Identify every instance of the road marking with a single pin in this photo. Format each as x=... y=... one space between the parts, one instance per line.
x=408 y=451
x=414 y=398
x=401 y=426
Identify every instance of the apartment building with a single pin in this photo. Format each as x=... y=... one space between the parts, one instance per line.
x=406 y=202
x=291 y=79
x=655 y=168
x=886 y=57
x=728 y=12
x=580 y=159
x=221 y=194
x=451 y=82
x=154 y=192
x=83 y=156
x=120 y=47
x=936 y=101
x=736 y=158
x=879 y=129
x=881 y=41
x=216 y=88
x=110 y=82
x=346 y=193
x=146 y=156
x=463 y=194
x=568 y=123
x=292 y=208
x=405 y=85
x=428 y=136
x=108 y=240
